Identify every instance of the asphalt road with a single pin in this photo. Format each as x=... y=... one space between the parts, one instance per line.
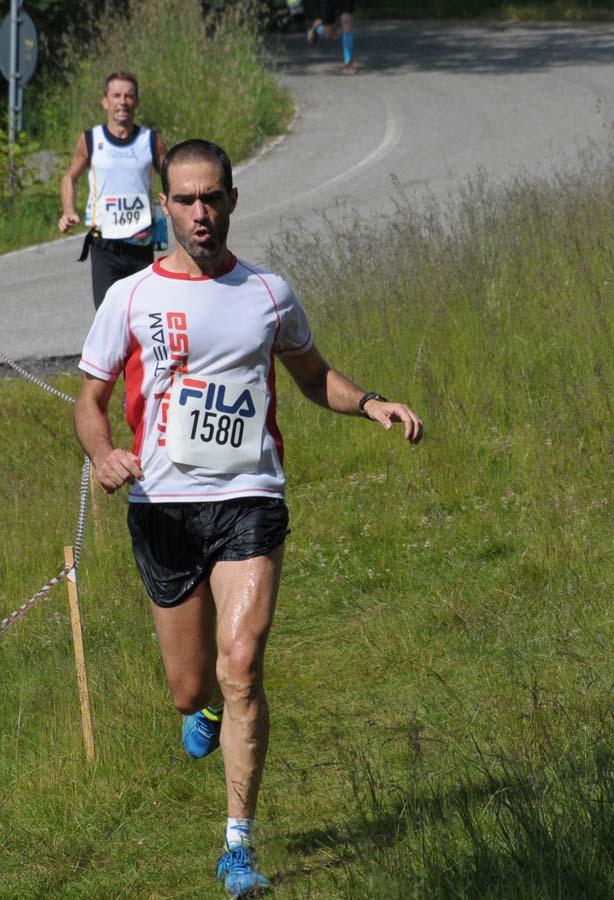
x=430 y=105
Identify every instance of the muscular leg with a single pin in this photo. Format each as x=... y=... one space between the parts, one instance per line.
x=186 y=634
x=245 y=594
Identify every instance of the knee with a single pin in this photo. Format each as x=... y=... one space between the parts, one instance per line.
x=239 y=672
x=190 y=694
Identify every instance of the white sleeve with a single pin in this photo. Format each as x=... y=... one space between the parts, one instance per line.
x=294 y=335
x=106 y=346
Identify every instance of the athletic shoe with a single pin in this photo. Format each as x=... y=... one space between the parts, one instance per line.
x=200 y=735
x=349 y=68
x=237 y=869
x=312 y=34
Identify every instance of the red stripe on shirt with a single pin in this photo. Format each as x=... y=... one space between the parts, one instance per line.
x=271 y=417
x=155 y=496
x=224 y=269
x=91 y=365
x=134 y=373
x=270 y=293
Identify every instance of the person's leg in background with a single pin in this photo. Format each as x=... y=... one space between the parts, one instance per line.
x=347 y=42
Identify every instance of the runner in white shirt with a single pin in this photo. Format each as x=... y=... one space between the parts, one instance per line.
x=164 y=329
x=119 y=157
x=196 y=335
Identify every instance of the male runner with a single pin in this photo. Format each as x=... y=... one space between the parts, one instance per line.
x=119 y=156
x=196 y=335
x=324 y=27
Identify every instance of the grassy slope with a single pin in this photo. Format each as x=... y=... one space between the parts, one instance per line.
x=439 y=671
x=182 y=95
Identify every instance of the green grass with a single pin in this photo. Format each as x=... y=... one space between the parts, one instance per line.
x=439 y=672
x=193 y=83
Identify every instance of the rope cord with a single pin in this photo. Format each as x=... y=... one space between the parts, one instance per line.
x=85 y=481
x=21 y=611
x=38 y=381
x=27 y=606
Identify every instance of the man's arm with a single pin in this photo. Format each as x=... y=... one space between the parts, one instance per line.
x=160 y=153
x=329 y=388
x=114 y=467
x=68 y=187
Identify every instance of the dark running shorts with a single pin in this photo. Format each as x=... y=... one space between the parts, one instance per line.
x=330 y=9
x=176 y=544
x=112 y=260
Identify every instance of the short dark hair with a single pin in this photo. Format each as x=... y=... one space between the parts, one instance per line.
x=196 y=150
x=121 y=76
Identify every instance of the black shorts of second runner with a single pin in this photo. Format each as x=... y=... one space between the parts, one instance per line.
x=112 y=260
x=176 y=544
x=330 y=9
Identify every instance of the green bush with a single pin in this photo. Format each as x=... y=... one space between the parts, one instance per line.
x=194 y=81
x=28 y=202
x=197 y=78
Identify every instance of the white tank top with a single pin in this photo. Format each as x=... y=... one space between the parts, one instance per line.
x=119 y=177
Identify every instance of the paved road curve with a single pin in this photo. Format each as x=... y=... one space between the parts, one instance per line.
x=430 y=104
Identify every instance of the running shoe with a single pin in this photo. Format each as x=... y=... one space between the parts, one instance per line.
x=237 y=869
x=200 y=735
x=348 y=68
x=312 y=34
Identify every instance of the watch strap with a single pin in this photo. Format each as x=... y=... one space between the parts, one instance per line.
x=370 y=395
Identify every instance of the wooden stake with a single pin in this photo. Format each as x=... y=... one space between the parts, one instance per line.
x=77 y=636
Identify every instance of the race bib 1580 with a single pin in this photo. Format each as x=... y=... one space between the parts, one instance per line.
x=215 y=424
x=123 y=215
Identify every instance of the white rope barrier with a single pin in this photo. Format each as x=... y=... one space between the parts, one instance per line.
x=85 y=480
x=20 y=612
x=35 y=380
x=67 y=571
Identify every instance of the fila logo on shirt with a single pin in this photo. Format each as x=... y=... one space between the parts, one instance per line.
x=123 y=204
x=215 y=398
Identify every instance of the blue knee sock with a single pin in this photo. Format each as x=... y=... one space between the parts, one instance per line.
x=319 y=30
x=347 y=42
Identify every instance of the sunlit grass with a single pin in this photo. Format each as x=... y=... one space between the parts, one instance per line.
x=194 y=82
x=439 y=672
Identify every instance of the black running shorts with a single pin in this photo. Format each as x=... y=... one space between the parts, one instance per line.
x=112 y=260
x=176 y=544
x=330 y=9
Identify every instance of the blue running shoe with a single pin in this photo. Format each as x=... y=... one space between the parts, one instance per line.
x=237 y=869
x=201 y=735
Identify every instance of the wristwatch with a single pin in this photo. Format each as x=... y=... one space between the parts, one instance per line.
x=370 y=395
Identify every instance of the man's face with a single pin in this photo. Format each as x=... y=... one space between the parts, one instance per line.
x=200 y=209
x=120 y=102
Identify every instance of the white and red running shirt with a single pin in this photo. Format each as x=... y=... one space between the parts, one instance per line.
x=157 y=327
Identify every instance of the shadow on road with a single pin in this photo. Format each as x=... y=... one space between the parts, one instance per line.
x=495 y=49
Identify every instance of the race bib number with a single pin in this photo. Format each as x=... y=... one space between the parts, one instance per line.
x=215 y=424
x=123 y=215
